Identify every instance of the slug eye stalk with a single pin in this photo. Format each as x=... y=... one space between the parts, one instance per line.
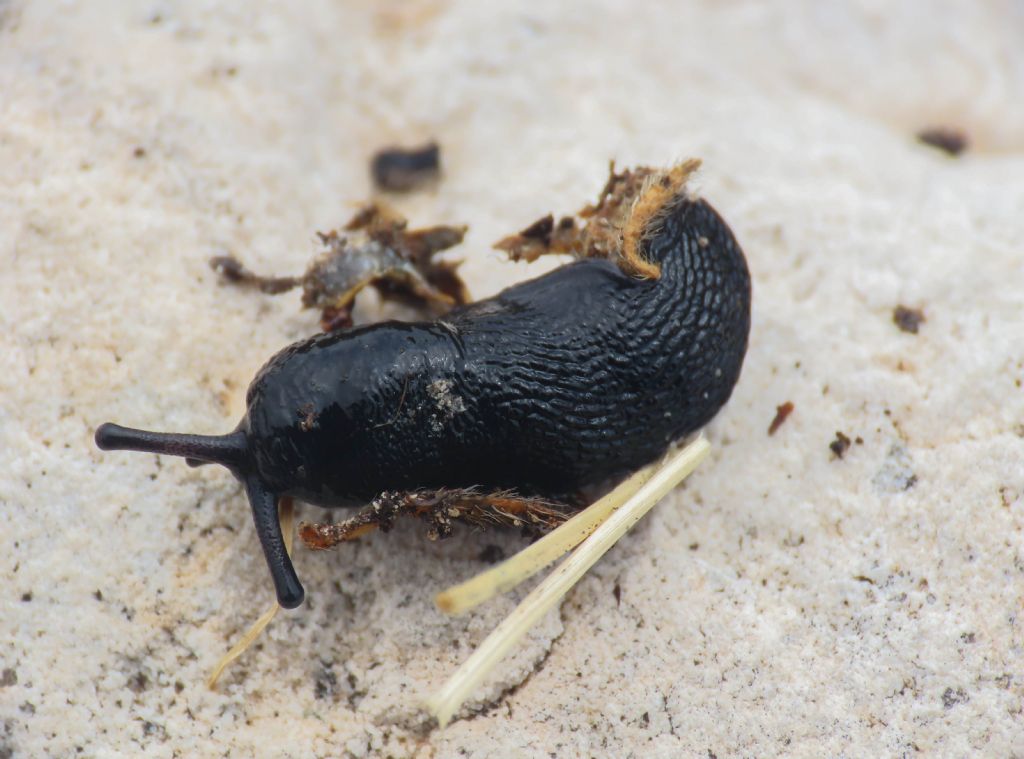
x=231 y=450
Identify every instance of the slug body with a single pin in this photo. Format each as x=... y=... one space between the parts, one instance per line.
x=550 y=386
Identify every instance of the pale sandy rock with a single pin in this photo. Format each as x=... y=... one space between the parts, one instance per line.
x=785 y=601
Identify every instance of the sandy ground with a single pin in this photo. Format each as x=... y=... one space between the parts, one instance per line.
x=785 y=601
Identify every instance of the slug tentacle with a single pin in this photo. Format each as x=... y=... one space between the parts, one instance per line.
x=268 y=529
x=231 y=450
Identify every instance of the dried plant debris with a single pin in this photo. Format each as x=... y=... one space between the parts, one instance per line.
x=781 y=415
x=376 y=250
x=440 y=509
x=840 y=445
x=908 y=319
x=543 y=237
x=232 y=270
x=951 y=141
x=626 y=212
x=406 y=169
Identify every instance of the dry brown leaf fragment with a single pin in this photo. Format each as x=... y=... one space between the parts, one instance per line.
x=626 y=212
x=375 y=249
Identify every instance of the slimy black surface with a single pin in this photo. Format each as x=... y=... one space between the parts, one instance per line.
x=552 y=385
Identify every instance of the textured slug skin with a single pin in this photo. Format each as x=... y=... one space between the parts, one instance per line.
x=552 y=385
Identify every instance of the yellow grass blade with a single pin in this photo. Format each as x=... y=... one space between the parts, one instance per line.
x=459 y=599
x=443 y=704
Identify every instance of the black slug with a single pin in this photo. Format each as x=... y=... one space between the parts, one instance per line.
x=561 y=382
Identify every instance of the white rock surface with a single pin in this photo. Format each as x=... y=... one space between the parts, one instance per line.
x=784 y=602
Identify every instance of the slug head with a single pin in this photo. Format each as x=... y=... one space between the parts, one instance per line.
x=234 y=452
